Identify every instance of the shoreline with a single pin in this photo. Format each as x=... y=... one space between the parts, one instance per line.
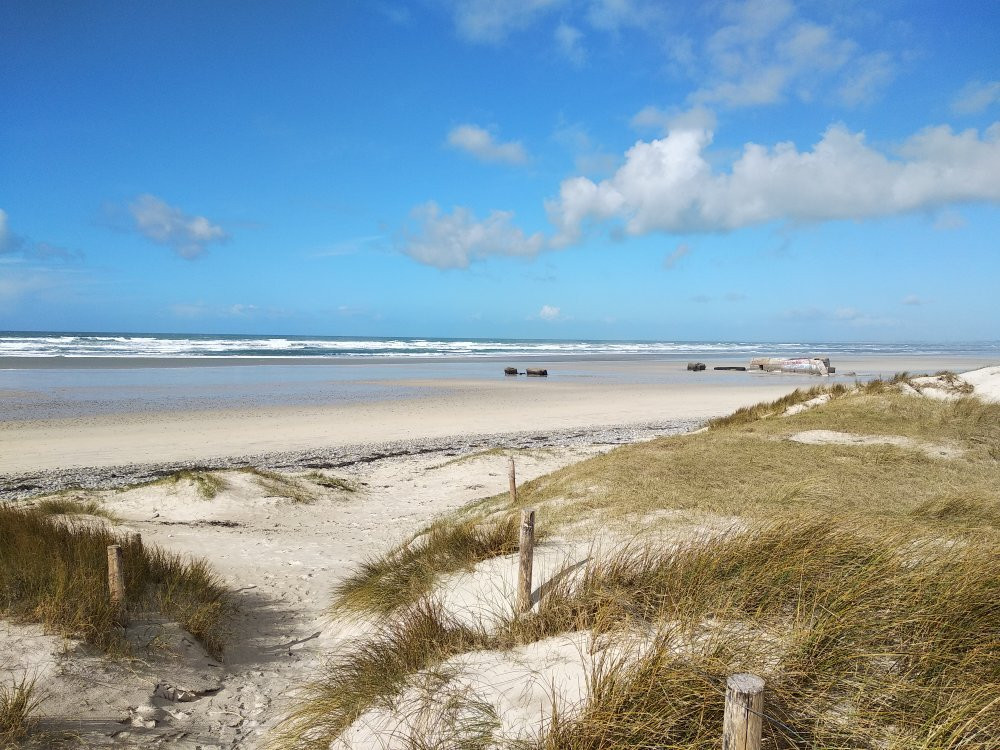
x=29 y=484
x=150 y=421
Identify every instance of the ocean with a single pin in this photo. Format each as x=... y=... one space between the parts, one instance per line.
x=135 y=345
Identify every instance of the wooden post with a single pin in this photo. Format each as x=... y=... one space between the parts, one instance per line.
x=513 y=482
x=527 y=548
x=116 y=576
x=741 y=725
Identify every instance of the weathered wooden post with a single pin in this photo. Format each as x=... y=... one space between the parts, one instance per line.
x=513 y=482
x=741 y=724
x=527 y=548
x=116 y=576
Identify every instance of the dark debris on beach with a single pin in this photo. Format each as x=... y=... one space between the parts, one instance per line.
x=31 y=484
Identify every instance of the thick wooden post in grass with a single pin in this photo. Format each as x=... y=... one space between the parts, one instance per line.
x=527 y=547
x=513 y=482
x=741 y=725
x=116 y=576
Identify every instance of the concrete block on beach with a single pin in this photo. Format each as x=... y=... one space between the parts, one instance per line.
x=536 y=373
x=696 y=366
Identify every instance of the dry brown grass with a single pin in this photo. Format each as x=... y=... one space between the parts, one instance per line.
x=19 y=700
x=55 y=572
x=861 y=581
x=407 y=573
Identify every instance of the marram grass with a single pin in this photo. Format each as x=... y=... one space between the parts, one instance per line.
x=55 y=572
x=861 y=582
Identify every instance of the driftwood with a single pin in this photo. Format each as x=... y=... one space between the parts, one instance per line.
x=735 y=369
x=696 y=366
x=537 y=373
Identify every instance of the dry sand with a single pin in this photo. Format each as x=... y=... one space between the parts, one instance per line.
x=282 y=558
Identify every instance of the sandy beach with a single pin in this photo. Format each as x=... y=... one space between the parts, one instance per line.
x=369 y=403
x=281 y=557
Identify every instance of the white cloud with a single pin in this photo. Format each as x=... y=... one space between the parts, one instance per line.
x=671 y=260
x=767 y=52
x=456 y=239
x=669 y=185
x=614 y=15
x=975 y=97
x=867 y=78
x=548 y=312
x=480 y=143
x=490 y=21
x=23 y=248
x=912 y=299
x=569 y=41
x=654 y=118
x=164 y=224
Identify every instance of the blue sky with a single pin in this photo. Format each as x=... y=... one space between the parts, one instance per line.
x=533 y=168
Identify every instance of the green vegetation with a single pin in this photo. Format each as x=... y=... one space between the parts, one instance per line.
x=55 y=573
x=61 y=505
x=860 y=581
x=277 y=484
x=330 y=482
x=409 y=572
x=208 y=483
x=18 y=702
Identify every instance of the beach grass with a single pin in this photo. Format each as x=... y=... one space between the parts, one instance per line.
x=331 y=482
x=276 y=484
x=54 y=571
x=208 y=483
x=62 y=505
x=408 y=572
x=860 y=581
x=19 y=700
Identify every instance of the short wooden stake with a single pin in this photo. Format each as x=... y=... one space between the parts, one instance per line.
x=741 y=725
x=527 y=547
x=513 y=482
x=116 y=575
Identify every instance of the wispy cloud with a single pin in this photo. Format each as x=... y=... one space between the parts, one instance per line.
x=488 y=21
x=19 y=246
x=480 y=143
x=187 y=235
x=549 y=312
x=913 y=299
x=674 y=258
x=976 y=97
x=454 y=240
x=569 y=42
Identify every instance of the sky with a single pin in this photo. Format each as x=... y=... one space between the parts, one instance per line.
x=599 y=169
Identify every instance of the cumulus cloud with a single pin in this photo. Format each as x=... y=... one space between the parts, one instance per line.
x=671 y=260
x=490 y=21
x=188 y=236
x=454 y=240
x=481 y=144
x=669 y=185
x=569 y=41
x=976 y=97
x=548 y=312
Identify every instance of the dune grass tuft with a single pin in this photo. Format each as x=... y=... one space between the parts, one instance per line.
x=55 y=506
x=748 y=414
x=277 y=484
x=206 y=482
x=19 y=700
x=331 y=482
x=408 y=572
x=55 y=572
x=864 y=642
x=371 y=671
